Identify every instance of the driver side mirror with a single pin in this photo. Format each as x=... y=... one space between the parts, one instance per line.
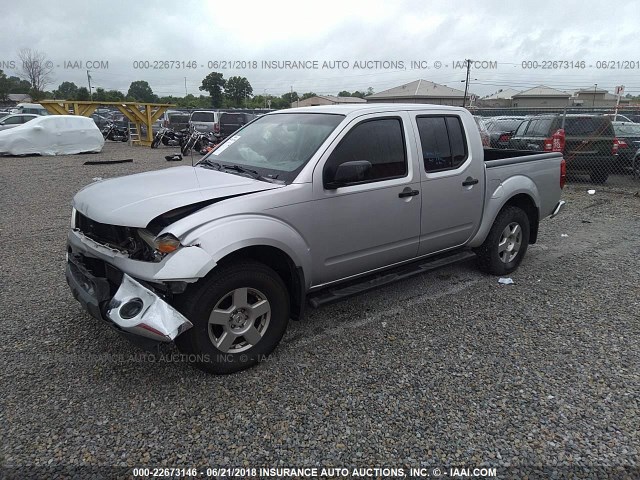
x=349 y=172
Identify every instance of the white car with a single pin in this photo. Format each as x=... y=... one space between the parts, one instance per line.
x=52 y=135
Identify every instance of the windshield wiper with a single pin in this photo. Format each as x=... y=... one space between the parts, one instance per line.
x=252 y=173
x=207 y=162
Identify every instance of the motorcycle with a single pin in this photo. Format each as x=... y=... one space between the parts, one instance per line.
x=169 y=137
x=113 y=132
x=199 y=142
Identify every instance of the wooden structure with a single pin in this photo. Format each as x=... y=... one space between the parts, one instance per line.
x=138 y=113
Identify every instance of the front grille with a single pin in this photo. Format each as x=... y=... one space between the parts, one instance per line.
x=112 y=235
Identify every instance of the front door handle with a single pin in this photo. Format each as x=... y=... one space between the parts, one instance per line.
x=469 y=181
x=409 y=193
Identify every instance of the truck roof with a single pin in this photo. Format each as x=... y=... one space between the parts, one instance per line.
x=346 y=109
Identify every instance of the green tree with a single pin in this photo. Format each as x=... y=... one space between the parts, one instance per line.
x=17 y=85
x=214 y=83
x=369 y=91
x=114 y=96
x=289 y=98
x=308 y=95
x=140 y=91
x=238 y=89
x=83 y=94
x=4 y=86
x=66 y=91
x=344 y=93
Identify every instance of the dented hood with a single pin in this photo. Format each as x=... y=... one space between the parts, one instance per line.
x=135 y=200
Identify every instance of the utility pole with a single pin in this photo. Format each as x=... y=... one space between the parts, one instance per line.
x=89 y=80
x=185 y=86
x=595 y=88
x=466 y=83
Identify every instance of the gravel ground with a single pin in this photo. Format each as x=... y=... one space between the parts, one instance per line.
x=448 y=368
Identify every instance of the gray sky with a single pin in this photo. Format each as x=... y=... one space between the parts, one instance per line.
x=124 y=32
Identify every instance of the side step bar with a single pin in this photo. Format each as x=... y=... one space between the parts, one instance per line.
x=385 y=278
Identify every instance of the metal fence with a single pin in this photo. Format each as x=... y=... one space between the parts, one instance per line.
x=600 y=145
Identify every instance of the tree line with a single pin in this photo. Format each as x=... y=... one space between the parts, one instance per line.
x=35 y=74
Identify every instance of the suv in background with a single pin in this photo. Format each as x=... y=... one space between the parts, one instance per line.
x=501 y=129
x=587 y=141
x=231 y=121
x=205 y=121
x=176 y=120
x=628 y=135
x=31 y=108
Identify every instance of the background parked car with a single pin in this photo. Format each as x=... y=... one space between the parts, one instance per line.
x=588 y=141
x=501 y=129
x=205 y=121
x=231 y=121
x=34 y=108
x=13 y=120
x=100 y=120
x=52 y=135
x=628 y=135
x=484 y=132
x=177 y=120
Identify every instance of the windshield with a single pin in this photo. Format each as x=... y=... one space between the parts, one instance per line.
x=627 y=129
x=277 y=145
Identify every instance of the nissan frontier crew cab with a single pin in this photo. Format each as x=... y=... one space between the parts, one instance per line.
x=302 y=206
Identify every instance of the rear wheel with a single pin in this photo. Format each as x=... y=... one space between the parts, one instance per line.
x=239 y=316
x=506 y=244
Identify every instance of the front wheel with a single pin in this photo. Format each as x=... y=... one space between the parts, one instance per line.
x=156 y=142
x=239 y=316
x=506 y=244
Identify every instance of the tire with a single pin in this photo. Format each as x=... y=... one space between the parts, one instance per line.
x=155 y=143
x=598 y=176
x=237 y=313
x=493 y=258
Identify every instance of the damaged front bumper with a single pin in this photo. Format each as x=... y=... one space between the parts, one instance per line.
x=134 y=310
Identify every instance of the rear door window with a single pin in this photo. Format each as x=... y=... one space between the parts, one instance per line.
x=443 y=143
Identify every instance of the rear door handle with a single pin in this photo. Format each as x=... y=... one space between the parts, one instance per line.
x=469 y=181
x=409 y=193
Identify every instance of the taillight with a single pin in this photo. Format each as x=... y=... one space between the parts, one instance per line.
x=563 y=173
x=505 y=137
x=556 y=142
x=618 y=143
x=216 y=128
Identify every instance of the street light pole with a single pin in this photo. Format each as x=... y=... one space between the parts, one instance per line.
x=595 y=88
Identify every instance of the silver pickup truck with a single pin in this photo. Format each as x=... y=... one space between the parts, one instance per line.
x=302 y=206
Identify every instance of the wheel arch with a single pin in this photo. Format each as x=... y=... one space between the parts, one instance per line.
x=279 y=261
x=523 y=198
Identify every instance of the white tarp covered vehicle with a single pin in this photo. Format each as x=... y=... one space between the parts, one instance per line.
x=52 y=135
